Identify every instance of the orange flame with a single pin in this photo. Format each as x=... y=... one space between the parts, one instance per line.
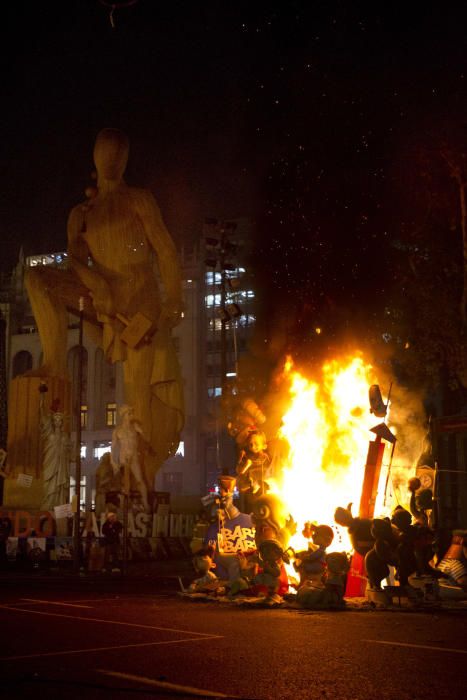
x=327 y=429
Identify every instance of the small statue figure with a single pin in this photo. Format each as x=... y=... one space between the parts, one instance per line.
x=127 y=440
x=359 y=529
x=231 y=534
x=337 y=566
x=273 y=530
x=56 y=449
x=421 y=502
x=311 y=563
x=383 y=553
x=244 y=584
x=405 y=550
x=246 y=421
x=253 y=468
x=271 y=558
x=203 y=562
x=271 y=521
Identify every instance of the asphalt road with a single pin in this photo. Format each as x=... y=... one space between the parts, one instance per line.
x=82 y=644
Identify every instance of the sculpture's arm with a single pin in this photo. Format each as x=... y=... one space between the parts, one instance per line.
x=78 y=256
x=162 y=244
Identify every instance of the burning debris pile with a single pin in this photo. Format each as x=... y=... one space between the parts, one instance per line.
x=293 y=537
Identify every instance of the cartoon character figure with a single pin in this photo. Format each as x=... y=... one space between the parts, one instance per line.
x=253 y=468
x=244 y=583
x=273 y=530
x=203 y=562
x=311 y=563
x=231 y=533
x=383 y=553
x=359 y=529
x=337 y=566
x=270 y=579
x=271 y=521
x=245 y=421
x=421 y=502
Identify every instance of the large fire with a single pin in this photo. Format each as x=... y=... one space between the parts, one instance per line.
x=327 y=428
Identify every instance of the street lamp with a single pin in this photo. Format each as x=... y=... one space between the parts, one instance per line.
x=79 y=392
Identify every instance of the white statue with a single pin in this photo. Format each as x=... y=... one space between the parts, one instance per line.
x=127 y=443
x=56 y=449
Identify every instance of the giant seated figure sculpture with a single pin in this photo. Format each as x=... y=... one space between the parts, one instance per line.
x=118 y=248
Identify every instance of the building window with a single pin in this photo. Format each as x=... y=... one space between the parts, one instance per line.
x=180 y=449
x=84 y=416
x=215 y=324
x=213 y=300
x=213 y=278
x=111 y=415
x=82 y=452
x=214 y=391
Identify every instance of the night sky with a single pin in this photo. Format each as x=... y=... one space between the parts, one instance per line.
x=306 y=116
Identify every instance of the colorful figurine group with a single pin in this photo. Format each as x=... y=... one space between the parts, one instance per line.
x=250 y=552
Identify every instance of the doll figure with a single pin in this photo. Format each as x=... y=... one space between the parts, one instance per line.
x=203 y=562
x=253 y=467
x=337 y=567
x=311 y=563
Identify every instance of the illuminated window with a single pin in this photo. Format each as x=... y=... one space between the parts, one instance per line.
x=213 y=299
x=181 y=449
x=214 y=391
x=215 y=324
x=84 y=416
x=82 y=452
x=213 y=277
x=111 y=414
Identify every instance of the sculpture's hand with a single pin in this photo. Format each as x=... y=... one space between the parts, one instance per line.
x=171 y=314
x=102 y=301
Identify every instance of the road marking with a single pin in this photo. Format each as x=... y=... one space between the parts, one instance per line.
x=121 y=646
x=108 y=622
x=54 y=602
x=415 y=646
x=167 y=686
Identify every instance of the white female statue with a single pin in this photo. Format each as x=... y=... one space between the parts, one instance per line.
x=127 y=443
x=56 y=450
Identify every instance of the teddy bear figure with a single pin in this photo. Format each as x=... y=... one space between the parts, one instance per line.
x=383 y=553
